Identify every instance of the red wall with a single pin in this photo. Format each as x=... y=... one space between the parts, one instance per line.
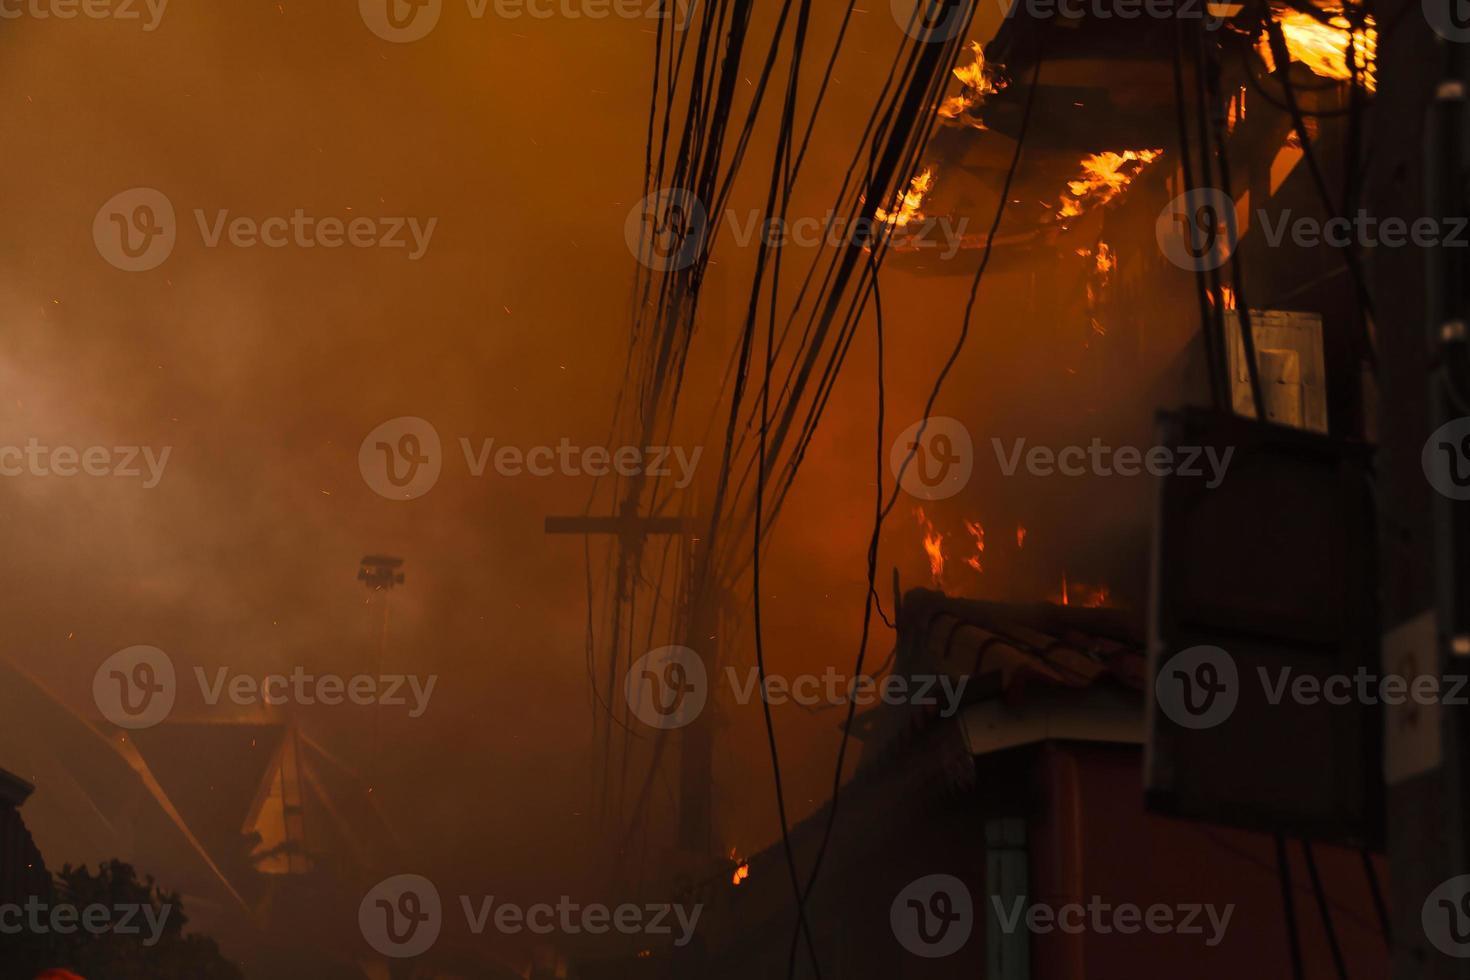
x=1095 y=838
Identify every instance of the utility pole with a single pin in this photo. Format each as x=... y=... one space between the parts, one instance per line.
x=1418 y=171
x=701 y=632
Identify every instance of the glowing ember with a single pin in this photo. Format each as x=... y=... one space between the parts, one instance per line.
x=980 y=81
x=978 y=533
x=1323 y=47
x=1104 y=176
x=1078 y=594
x=1020 y=536
x=741 y=873
x=1236 y=110
x=1105 y=260
x=908 y=207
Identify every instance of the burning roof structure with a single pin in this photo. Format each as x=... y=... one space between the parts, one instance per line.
x=1104 y=109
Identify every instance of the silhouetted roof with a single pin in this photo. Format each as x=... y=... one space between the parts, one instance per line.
x=1005 y=646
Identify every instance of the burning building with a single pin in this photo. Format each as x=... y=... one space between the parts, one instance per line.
x=1155 y=276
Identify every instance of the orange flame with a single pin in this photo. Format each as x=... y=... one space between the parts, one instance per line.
x=1087 y=596
x=741 y=873
x=1323 y=47
x=1104 y=176
x=909 y=205
x=933 y=545
x=1020 y=537
x=978 y=533
x=980 y=81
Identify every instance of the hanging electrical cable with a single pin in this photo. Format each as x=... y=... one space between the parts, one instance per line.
x=884 y=510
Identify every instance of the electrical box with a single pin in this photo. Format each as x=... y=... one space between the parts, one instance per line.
x=1262 y=599
x=1290 y=363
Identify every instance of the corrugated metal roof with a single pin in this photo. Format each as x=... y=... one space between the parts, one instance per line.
x=1005 y=647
